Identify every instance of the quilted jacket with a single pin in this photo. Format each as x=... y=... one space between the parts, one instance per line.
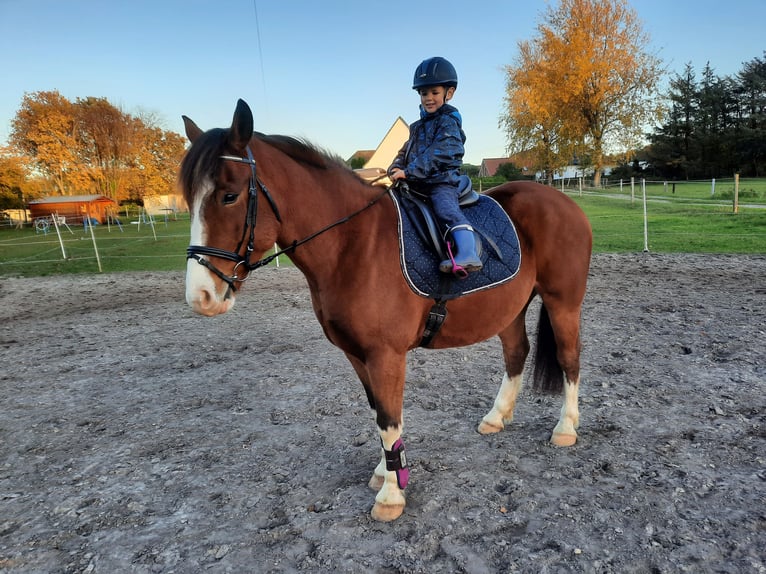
x=433 y=154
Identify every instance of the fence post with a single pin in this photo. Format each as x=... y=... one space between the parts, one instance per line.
x=646 y=229
x=55 y=217
x=93 y=238
x=712 y=188
x=632 y=190
x=736 y=193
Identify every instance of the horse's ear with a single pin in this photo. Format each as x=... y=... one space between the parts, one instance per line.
x=192 y=131
x=241 y=126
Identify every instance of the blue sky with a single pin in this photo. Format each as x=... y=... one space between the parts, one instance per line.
x=335 y=72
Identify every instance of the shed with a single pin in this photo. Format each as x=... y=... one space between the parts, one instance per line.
x=164 y=204
x=74 y=207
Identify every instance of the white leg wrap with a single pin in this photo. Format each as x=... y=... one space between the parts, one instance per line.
x=390 y=494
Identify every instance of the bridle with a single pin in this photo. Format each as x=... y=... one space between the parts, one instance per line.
x=243 y=262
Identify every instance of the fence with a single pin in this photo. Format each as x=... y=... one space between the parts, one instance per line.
x=141 y=244
x=655 y=216
x=724 y=216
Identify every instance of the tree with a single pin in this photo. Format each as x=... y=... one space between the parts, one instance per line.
x=104 y=143
x=155 y=162
x=674 y=145
x=92 y=146
x=532 y=122
x=44 y=131
x=715 y=127
x=751 y=143
x=508 y=171
x=585 y=83
x=12 y=182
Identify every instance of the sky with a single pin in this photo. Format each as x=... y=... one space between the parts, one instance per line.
x=335 y=72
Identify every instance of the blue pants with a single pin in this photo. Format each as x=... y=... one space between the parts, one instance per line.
x=445 y=205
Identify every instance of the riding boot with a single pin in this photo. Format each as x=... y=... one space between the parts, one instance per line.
x=468 y=256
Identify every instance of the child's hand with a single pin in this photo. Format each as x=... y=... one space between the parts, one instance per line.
x=397 y=174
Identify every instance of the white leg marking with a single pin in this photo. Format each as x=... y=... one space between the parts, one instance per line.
x=565 y=432
x=502 y=410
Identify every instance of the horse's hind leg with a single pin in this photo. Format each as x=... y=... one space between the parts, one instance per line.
x=515 y=350
x=565 y=322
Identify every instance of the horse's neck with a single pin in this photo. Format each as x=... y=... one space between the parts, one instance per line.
x=316 y=208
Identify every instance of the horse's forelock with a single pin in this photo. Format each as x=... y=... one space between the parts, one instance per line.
x=201 y=160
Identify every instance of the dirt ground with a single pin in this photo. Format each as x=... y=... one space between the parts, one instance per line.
x=136 y=436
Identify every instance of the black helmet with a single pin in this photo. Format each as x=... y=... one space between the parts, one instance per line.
x=435 y=72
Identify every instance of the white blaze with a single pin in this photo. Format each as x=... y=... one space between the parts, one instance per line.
x=201 y=292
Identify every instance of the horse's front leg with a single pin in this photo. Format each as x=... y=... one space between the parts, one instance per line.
x=383 y=378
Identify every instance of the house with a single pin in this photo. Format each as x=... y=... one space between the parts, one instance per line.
x=75 y=208
x=384 y=154
x=362 y=154
x=523 y=160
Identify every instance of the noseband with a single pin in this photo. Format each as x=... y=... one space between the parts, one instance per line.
x=243 y=262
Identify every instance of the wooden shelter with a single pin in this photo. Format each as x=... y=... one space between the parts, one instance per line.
x=74 y=207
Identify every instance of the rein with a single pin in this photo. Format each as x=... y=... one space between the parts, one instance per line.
x=196 y=251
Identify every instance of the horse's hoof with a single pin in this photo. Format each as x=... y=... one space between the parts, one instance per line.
x=487 y=428
x=562 y=439
x=376 y=482
x=387 y=512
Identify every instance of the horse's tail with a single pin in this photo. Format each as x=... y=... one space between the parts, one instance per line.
x=547 y=377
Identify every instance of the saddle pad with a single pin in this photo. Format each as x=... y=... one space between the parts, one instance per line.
x=420 y=265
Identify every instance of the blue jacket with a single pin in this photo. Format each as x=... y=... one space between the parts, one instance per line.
x=434 y=152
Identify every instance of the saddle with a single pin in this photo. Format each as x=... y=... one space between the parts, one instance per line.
x=422 y=248
x=427 y=225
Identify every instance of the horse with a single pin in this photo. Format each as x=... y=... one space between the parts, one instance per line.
x=248 y=191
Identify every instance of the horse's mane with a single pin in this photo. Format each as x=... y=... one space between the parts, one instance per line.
x=302 y=151
x=203 y=157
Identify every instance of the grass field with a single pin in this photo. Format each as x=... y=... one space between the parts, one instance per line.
x=618 y=226
x=689 y=221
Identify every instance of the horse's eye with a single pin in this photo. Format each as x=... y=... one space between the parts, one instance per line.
x=229 y=198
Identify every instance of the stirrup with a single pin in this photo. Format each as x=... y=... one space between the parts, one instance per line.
x=457 y=270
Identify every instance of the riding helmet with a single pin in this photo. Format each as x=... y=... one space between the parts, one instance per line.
x=435 y=72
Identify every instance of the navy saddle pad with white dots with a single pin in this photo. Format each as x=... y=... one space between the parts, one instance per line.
x=501 y=254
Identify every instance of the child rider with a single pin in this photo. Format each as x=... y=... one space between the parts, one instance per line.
x=431 y=158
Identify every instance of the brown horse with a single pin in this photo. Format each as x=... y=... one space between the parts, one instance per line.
x=247 y=191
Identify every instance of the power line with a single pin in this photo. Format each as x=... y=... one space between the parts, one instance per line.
x=260 y=49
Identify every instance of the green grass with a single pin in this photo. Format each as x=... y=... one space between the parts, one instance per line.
x=678 y=227
x=24 y=252
x=689 y=222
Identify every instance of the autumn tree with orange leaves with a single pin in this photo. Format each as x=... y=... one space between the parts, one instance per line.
x=586 y=84
x=90 y=146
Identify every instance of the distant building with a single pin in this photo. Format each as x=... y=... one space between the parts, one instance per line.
x=523 y=160
x=384 y=154
x=362 y=154
x=165 y=204
x=75 y=208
